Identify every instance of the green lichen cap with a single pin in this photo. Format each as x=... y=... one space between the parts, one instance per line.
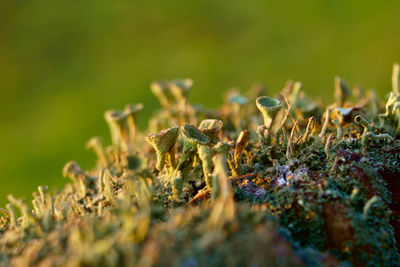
x=165 y=139
x=235 y=97
x=132 y=109
x=222 y=147
x=116 y=122
x=93 y=142
x=193 y=136
x=180 y=88
x=161 y=89
x=114 y=115
x=269 y=107
x=163 y=143
x=211 y=127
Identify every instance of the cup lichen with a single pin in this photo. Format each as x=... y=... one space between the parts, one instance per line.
x=269 y=107
x=163 y=143
x=304 y=189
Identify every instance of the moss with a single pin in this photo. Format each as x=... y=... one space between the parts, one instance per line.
x=303 y=189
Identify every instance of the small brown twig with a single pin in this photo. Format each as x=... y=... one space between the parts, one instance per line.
x=199 y=195
x=252 y=175
x=205 y=191
x=288 y=114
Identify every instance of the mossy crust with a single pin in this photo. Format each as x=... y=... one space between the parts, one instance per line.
x=261 y=181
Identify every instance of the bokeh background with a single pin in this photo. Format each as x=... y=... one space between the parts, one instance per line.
x=63 y=63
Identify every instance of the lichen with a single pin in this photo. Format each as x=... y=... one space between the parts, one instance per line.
x=263 y=181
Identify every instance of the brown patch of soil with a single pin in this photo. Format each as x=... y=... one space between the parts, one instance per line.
x=393 y=184
x=338 y=227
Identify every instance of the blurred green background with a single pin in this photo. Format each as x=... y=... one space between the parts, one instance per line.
x=63 y=63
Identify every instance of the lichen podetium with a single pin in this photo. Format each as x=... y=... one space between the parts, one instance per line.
x=262 y=181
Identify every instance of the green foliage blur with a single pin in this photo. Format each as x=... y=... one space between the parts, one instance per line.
x=63 y=63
